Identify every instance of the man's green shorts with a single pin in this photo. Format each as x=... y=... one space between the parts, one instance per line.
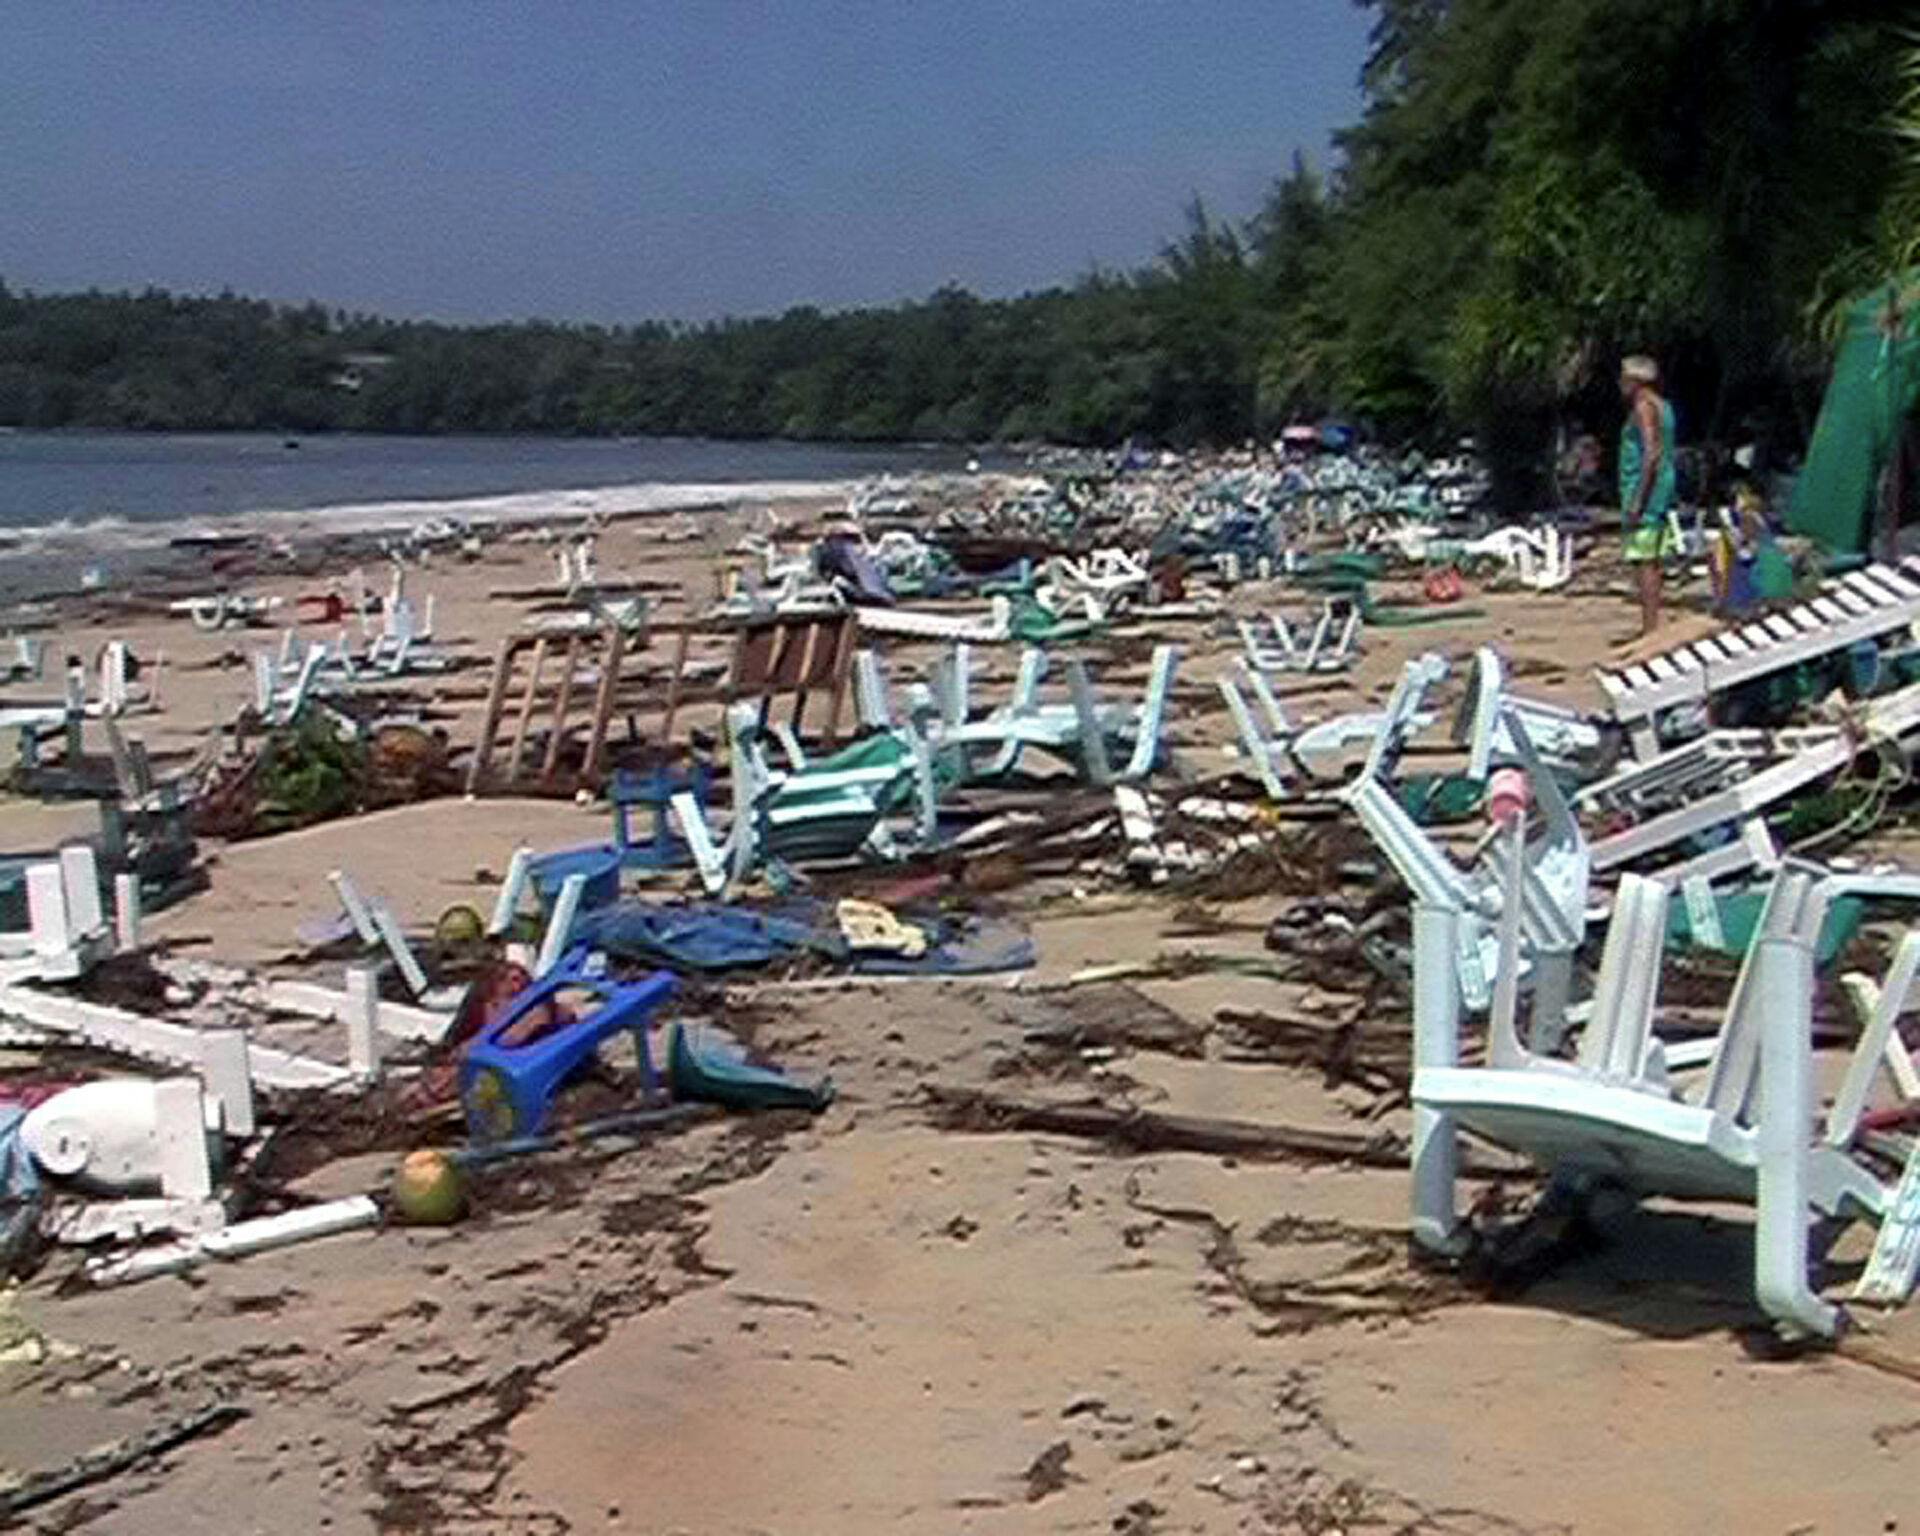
x=1648 y=541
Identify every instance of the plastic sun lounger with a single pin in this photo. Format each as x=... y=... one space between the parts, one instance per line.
x=1740 y=804
x=224 y=610
x=1100 y=585
x=837 y=809
x=1283 y=751
x=1868 y=604
x=1562 y=737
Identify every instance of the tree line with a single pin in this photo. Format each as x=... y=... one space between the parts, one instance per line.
x=1533 y=187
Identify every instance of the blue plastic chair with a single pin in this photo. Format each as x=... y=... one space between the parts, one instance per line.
x=602 y=863
x=508 y=1090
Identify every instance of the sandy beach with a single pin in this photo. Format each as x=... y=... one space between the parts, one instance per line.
x=894 y=1317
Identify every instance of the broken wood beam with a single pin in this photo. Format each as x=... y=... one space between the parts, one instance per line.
x=1147 y=1130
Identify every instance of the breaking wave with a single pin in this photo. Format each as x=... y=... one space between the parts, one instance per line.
x=372 y=518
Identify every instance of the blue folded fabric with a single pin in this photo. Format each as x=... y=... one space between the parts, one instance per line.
x=19 y=1186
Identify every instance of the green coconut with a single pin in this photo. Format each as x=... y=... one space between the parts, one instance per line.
x=428 y=1189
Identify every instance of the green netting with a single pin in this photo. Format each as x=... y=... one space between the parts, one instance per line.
x=1876 y=380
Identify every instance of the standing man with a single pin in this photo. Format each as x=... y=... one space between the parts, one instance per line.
x=1646 y=479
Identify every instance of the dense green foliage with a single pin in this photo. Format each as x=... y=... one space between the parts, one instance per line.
x=1534 y=186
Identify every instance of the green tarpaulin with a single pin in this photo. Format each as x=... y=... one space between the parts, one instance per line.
x=1876 y=379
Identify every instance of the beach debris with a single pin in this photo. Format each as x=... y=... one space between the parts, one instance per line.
x=712 y=938
x=1331 y=645
x=98 y=1465
x=1147 y=1130
x=144 y=1144
x=1281 y=751
x=429 y=1189
x=1620 y=1112
x=237 y=1241
x=225 y=610
x=21 y=1195
x=1876 y=604
x=995 y=626
x=601 y=865
x=68 y=929
x=868 y=926
x=704 y=1072
x=1084 y=733
x=840 y=807
x=512 y=1068
x=21 y=658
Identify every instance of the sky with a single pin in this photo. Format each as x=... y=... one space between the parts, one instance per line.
x=626 y=159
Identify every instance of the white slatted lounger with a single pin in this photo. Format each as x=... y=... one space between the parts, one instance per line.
x=1815 y=754
x=1695 y=769
x=1862 y=605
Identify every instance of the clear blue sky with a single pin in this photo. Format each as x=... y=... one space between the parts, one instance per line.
x=613 y=161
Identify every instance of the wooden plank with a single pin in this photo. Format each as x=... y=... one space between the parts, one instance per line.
x=525 y=717
x=674 y=684
x=823 y=654
x=753 y=651
x=842 y=671
x=562 y=699
x=789 y=670
x=603 y=704
x=800 y=669
x=490 y=721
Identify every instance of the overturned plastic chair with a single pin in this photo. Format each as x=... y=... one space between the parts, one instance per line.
x=1099 y=585
x=836 y=809
x=1563 y=737
x=1329 y=646
x=1556 y=870
x=1281 y=751
x=1613 y=1116
x=1102 y=743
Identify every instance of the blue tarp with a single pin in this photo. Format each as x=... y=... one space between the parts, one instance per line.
x=707 y=937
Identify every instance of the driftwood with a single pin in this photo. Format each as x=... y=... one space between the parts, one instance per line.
x=1852 y=1347
x=111 y=1460
x=1147 y=1130
x=1344 y=1050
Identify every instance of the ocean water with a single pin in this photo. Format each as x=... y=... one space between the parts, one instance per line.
x=70 y=482
x=79 y=507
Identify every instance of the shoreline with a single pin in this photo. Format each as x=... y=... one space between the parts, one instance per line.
x=286 y=538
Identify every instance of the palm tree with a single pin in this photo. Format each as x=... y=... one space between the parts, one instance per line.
x=1906 y=128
